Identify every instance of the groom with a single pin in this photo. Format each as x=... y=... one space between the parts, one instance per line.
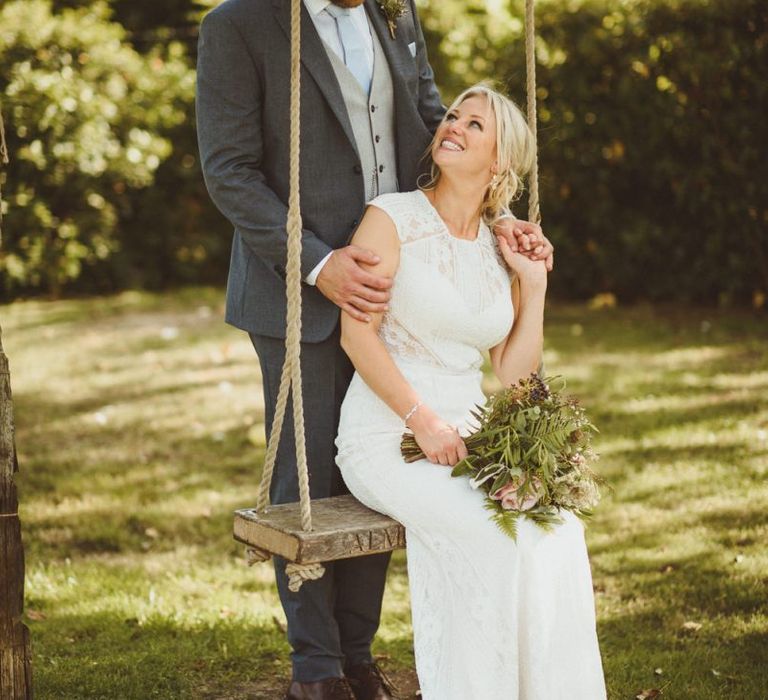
x=369 y=107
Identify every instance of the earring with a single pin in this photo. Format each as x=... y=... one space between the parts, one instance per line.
x=494 y=181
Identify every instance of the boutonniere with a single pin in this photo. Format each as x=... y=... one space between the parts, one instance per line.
x=392 y=9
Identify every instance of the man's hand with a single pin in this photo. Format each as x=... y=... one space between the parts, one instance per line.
x=528 y=239
x=346 y=282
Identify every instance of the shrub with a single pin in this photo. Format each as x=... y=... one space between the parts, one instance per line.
x=652 y=137
x=87 y=120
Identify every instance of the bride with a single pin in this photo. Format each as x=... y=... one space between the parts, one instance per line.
x=493 y=618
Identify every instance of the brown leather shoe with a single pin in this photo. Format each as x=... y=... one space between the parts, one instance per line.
x=328 y=689
x=369 y=682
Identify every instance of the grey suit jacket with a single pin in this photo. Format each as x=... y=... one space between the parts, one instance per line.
x=243 y=100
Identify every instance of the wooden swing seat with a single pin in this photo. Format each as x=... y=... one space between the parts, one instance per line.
x=342 y=528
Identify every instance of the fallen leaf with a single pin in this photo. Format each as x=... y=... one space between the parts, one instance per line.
x=648 y=694
x=36 y=615
x=658 y=671
x=691 y=626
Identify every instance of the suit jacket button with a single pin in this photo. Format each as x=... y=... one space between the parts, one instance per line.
x=378 y=138
x=355 y=223
x=358 y=169
x=373 y=108
x=381 y=168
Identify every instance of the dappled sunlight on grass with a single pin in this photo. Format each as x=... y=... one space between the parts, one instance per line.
x=140 y=428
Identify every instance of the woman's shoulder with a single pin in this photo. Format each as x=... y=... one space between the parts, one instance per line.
x=405 y=209
x=410 y=212
x=397 y=201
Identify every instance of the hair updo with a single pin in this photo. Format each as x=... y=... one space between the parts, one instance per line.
x=515 y=152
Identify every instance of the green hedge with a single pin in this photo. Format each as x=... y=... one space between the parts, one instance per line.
x=653 y=136
x=652 y=130
x=87 y=120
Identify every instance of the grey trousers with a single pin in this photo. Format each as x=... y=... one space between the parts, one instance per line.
x=332 y=621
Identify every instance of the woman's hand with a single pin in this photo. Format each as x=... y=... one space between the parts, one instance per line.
x=439 y=441
x=527 y=238
x=530 y=272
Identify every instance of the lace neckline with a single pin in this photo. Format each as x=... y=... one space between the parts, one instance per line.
x=444 y=227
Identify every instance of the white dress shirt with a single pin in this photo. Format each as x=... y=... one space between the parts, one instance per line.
x=326 y=28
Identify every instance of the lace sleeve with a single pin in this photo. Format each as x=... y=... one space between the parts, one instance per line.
x=391 y=204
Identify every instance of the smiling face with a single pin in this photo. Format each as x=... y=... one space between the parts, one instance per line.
x=484 y=134
x=465 y=142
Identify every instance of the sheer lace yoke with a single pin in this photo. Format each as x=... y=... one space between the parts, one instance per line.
x=451 y=297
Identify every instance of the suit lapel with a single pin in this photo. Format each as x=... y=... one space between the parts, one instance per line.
x=392 y=48
x=315 y=61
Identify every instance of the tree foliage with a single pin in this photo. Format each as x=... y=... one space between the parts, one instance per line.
x=650 y=125
x=86 y=117
x=652 y=140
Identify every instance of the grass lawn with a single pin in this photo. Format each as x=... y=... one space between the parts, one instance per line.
x=140 y=429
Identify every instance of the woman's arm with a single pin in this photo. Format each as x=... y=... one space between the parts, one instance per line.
x=519 y=353
x=439 y=441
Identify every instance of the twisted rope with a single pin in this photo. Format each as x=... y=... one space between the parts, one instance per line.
x=534 y=211
x=3 y=161
x=3 y=146
x=290 y=378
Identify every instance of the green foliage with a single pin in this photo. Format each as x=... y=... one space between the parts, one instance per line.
x=85 y=117
x=148 y=22
x=653 y=180
x=505 y=520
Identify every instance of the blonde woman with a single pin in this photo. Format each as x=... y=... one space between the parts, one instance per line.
x=492 y=618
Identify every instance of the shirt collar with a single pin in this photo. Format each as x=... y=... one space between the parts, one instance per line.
x=315 y=7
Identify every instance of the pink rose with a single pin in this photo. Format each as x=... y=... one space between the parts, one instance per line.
x=509 y=498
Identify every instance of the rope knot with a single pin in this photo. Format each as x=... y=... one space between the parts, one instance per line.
x=299 y=573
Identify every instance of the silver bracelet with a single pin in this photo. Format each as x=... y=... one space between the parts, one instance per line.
x=410 y=413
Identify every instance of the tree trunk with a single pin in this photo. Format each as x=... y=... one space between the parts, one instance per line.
x=15 y=668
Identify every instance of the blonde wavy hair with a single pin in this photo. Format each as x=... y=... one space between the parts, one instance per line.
x=515 y=152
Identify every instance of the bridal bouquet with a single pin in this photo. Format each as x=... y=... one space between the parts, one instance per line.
x=530 y=455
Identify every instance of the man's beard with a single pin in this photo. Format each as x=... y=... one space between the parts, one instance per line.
x=347 y=3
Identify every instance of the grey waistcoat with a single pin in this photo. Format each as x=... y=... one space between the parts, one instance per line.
x=373 y=121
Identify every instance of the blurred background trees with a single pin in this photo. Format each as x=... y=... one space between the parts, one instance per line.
x=652 y=141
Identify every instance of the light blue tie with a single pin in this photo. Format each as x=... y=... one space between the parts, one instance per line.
x=352 y=43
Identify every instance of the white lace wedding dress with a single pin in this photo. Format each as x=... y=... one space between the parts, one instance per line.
x=493 y=619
